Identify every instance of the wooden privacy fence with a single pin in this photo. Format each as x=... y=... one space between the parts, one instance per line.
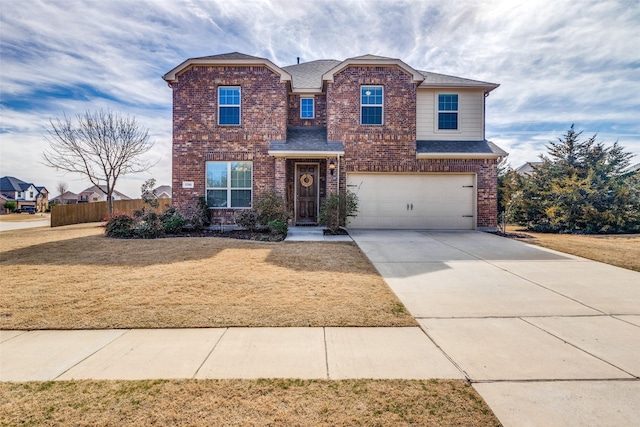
x=95 y=211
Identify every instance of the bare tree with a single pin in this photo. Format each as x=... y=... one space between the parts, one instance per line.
x=102 y=146
x=62 y=188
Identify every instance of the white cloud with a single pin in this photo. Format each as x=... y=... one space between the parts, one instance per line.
x=558 y=61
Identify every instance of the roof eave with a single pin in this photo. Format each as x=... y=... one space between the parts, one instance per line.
x=300 y=90
x=487 y=88
x=435 y=156
x=172 y=75
x=304 y=154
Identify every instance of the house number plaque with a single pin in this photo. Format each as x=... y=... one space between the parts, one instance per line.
x=306 y=180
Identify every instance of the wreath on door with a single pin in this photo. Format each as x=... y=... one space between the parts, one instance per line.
x=306 y=180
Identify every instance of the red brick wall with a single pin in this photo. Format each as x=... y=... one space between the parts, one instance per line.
x=394 y=140
x=391 y=147
x=320 y=105
x=197 y=137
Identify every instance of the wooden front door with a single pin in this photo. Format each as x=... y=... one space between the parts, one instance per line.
x=306 y=194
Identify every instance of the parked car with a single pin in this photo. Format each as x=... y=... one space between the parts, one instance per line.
x=27 y=209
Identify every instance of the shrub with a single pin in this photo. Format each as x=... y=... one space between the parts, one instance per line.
x=278 y=227
x=10 y=206
x=337 y=208
x=247 y=218
x=149 y=225
x=120 y=225
x=172 y=220
x=202 y=209
x=271 y=207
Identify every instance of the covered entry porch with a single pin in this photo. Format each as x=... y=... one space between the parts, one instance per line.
x=307 y=169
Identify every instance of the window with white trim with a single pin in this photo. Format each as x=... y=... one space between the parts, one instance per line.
x=307 y=108
x=371 y=105
x=228 y=184
x=448 y=111
x=229 y=105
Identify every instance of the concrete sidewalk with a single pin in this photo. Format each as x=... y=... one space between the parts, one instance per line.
x=306 y=353
x=547 y=339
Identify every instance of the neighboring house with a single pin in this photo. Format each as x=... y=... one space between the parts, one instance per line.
x=67 y=198
x=411 y=144
x=163 y=192
x=24 y=193
x=99 y=194
x=527 y=168
x=3 y=200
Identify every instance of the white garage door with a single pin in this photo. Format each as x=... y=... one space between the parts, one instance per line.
x=420 y=201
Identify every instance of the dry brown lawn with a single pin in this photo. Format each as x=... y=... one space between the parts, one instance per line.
x=242 y=402
x=75 y=278
x=16 y=217
x=622 y=250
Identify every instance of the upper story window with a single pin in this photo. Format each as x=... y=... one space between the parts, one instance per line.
x=371 y=106
x=229 y=105
x=447 y=111
x=31 y=194
x=307 y=108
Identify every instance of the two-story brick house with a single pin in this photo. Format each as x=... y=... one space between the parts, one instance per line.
x=410 y=143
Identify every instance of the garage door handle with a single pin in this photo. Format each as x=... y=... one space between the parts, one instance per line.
x=407 y=206
x=467 y=216
x=411 y=206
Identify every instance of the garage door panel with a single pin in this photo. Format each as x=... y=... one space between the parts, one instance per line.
x=444 y=201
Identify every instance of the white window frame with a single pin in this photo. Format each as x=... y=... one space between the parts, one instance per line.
x=313 y=107
x=239 y=105
x=228 y=188
x=438 y=111
x=381 y=105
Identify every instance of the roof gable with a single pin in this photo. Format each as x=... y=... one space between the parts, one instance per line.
x=225 y=59
x=373 y=60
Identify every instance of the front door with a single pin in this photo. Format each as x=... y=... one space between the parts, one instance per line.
x=306 y=193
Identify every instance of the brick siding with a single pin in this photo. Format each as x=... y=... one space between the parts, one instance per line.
x=198 y=138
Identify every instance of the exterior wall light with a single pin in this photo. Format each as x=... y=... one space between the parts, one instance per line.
x=332 y=166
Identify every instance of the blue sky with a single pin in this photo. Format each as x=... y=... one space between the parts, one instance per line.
x=558 y=62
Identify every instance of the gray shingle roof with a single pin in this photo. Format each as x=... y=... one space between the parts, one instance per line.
x=306 y=139
x=435 y=79
x=231 y=55
x=308 y=75
x=10 y=183
x=459 y=147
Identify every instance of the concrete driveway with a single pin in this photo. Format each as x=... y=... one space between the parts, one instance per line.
x=545 y=337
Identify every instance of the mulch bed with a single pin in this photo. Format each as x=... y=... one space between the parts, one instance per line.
x=513 y=235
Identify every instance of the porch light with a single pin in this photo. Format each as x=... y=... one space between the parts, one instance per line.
x=332 y=166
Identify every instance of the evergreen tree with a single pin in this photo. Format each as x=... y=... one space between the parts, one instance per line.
x=581 y=186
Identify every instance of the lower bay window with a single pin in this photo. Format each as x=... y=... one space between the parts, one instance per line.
x=228 y=184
